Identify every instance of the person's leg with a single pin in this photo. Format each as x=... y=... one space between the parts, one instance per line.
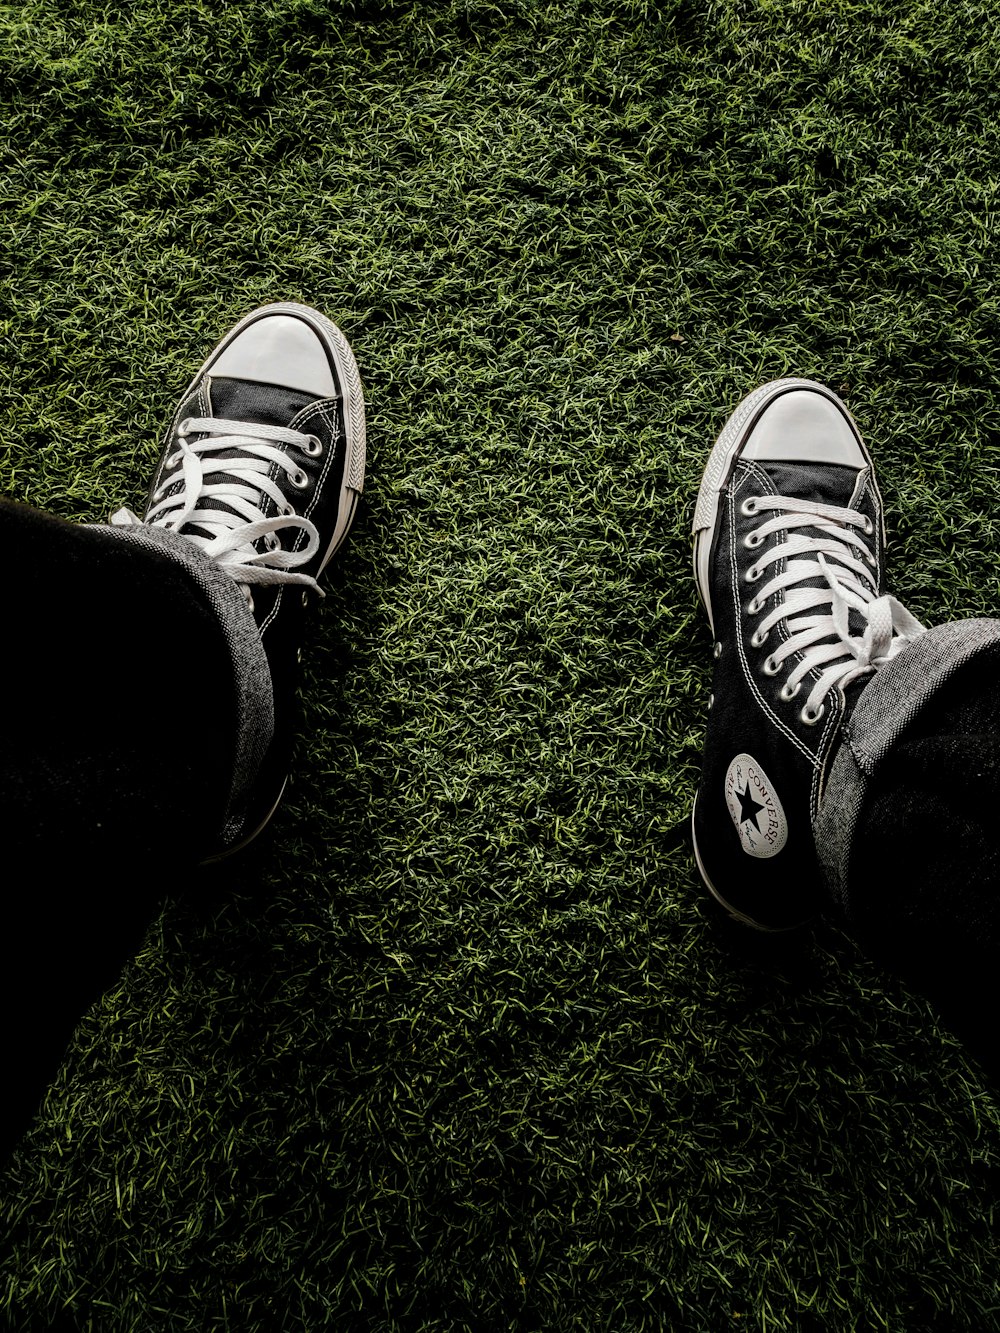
x=909 y=827
x=120 y=727
x=851 y=758
x=151 y=670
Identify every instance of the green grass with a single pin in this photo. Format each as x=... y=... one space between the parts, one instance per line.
x=459 y=1048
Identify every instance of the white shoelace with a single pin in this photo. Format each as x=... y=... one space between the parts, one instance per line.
x=818 y=618
x=228 y=533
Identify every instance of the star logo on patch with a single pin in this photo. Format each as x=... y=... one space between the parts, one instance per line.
x=749 y=808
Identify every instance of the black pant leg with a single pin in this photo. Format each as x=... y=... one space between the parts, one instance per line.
x=117 y=753
x=925 y=862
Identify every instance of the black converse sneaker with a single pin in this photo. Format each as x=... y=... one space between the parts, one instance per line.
x=788 y=552
x=263 y=467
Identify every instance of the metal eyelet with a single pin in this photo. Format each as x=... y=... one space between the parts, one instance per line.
x=272 y=541
x=299 y=479
x=770 y=667
x=314 y=446
x=711 y=702
x=788 y=692
x=757 y=639
x=159 y=493
x=809 y=717
x=752 y=540
x=753 y=606
x=717 y=651
x=749 y=507
x=286 y=510
x=185 y=427
x=753 y=574
x=869 y=527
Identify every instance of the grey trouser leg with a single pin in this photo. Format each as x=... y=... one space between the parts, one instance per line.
x=251 y=673
x=908 y=832
x=137 y=701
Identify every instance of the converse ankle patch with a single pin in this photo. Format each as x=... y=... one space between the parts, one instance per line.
x=755 y=808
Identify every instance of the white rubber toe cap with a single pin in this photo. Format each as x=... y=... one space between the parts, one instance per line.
x=804 y=427
x=278 y=349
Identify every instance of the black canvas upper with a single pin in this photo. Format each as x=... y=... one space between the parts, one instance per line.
x=749 y=718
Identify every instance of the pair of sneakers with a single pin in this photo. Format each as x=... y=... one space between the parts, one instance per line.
x=263 y=466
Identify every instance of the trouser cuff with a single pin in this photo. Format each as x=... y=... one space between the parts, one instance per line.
x=251 y=673
x=889 y=704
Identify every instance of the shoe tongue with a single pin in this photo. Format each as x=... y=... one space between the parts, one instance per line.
x=255 y=403
x=823 y=483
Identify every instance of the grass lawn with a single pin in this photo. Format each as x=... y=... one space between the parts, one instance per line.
x=459 y=1047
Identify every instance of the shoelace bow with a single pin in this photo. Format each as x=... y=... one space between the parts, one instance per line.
x=228 y=533
x=817 y=618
